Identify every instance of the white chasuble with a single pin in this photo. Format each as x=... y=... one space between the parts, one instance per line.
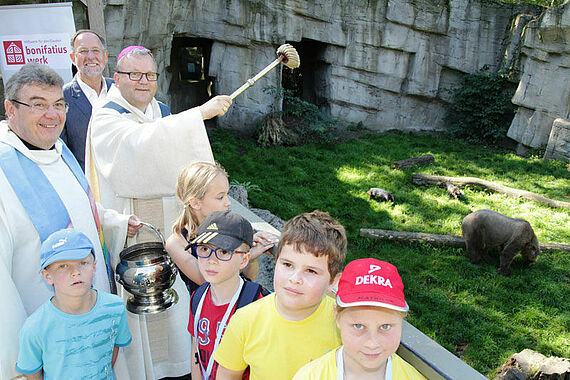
x=134 y=162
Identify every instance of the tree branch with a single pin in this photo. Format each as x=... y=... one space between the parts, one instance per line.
x=427 y=180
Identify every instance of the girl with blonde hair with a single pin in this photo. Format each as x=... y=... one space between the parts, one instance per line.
x=202 y=187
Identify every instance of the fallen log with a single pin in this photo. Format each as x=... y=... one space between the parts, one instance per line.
x=453 y=241
x=417 y=237
x=420 y=160
x=427 y=180
x=554 y=247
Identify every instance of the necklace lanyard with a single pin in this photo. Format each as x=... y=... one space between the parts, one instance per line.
x=340 y=365
x=219 y=329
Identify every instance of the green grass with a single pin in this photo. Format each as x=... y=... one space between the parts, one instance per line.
x=454 y=302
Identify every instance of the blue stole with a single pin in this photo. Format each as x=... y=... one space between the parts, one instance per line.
x=38 y=196
x=164 y=110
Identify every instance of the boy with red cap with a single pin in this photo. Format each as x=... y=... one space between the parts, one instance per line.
x=369 y=313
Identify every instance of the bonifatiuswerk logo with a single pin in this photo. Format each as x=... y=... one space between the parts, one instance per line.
x=14 y=52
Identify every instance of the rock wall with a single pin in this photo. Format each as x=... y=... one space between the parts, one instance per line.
x=386 y=63
x=558 y=147
x=543 y=93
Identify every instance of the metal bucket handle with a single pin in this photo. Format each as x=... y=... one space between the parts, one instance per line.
x=155 y=230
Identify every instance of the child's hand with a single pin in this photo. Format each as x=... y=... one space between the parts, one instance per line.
x=262 y=241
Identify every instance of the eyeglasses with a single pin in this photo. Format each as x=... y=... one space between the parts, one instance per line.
x=135 y=75
x=85 y=51
x=38 y=106
x=205 y=251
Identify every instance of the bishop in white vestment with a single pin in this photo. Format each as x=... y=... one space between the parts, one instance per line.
x=134 y=153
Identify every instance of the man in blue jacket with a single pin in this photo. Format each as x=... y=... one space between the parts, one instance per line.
x=86 y=90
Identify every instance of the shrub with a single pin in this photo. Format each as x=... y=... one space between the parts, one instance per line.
x=246 y=184
x=300 y=121
x=481 y=110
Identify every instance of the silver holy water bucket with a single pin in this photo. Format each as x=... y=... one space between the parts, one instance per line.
x=147 y=272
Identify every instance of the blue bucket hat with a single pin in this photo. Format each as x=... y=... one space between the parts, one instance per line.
x=66 y=244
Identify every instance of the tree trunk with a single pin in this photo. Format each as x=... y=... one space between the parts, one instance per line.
x=554 y=247
x=440 y=240
x=418 y=237
x=427 y=180
x=424 y=159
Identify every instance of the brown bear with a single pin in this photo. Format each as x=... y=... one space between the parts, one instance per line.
x=485 y=229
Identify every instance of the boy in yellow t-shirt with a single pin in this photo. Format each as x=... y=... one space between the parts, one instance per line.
x=278 y=334
x=369 y=312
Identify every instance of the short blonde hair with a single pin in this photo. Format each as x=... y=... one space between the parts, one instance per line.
x=318 y=233
x=193 y=182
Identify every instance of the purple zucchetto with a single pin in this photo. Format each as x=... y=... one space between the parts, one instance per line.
x=127 y=50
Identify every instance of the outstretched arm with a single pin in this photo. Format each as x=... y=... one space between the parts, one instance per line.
x=217 y=106
x=119 y=145
x=187 y=263
x=262 y=242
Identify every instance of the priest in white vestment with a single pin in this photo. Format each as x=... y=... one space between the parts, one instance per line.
x=134 y=153
x=35 y=109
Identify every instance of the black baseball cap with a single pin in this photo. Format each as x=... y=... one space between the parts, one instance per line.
x=224 y=229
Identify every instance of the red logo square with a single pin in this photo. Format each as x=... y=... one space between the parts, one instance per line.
x=14 y=51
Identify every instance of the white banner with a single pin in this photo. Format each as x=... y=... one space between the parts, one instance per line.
x=36 y=33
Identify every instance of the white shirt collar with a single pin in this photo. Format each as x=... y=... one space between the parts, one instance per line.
x=149 y=112
x=94 y=98
x=340 y=365
x=40 y=156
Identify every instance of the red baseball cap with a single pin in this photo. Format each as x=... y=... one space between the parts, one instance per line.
x=371 y=282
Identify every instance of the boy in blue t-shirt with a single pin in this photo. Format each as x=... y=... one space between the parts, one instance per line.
x=78 y=332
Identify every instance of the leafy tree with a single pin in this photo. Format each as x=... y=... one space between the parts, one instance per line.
x=481 y=110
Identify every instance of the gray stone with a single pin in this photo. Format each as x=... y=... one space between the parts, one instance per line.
x=529 y=361
x=387 y=64
x=522 y=150
x=266 y=215
x=558 y=147
x=512 y=374
x=512 y=58
x=266 y=261
x=239 y=193
x=531 y=127
x=543 y=93
x=266 y=271
x=531 y=365
x=384 y=63
x=554 y=368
